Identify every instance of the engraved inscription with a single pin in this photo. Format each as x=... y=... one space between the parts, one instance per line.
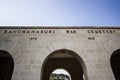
x=33 y=38
x=71 y=31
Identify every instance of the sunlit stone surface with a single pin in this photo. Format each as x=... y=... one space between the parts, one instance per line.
x=30 y=47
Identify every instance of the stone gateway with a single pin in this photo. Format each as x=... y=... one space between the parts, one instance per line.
x=34 y=53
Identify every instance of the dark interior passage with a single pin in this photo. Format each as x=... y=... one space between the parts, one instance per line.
x=115 y=64
x=6 y=66
x=70 y=64
x=65 y=61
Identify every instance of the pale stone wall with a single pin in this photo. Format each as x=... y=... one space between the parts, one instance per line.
x=94 y=48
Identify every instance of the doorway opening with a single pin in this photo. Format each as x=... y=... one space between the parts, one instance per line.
x=115 y=64
x=64 y=59
x=6 y=65
x=60 y=74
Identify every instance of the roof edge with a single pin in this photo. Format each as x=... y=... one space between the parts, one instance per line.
x=59 y=27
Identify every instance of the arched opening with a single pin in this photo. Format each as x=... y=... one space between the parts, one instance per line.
x=115 y=64
x=60 y=74
x=6 y=65
x=64 y=59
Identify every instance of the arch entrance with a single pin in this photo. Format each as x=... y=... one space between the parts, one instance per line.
x=6 y=65
x=66 y=60
x=60 y=74
x=115 y=64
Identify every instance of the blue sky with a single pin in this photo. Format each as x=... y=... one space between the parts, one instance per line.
x=60 y=12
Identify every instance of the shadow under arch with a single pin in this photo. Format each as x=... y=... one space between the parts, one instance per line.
x=66 y=59
x=115 y=64
x=6 y=65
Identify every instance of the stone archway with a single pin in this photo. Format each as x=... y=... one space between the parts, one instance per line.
x=60 y=74
x=115 y=64
x=6 y=65
x=65 y=59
